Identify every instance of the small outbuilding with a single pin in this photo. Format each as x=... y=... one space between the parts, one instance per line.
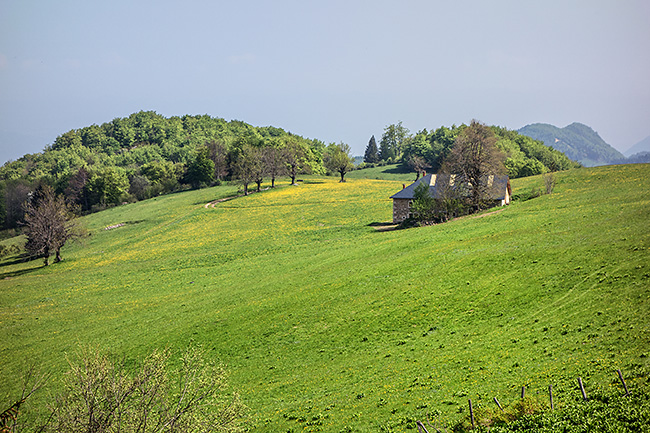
x=498 y=190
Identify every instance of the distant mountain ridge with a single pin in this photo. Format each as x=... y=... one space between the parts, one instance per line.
x=577 y=141
x=641 y=146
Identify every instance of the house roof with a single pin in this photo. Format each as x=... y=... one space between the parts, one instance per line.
x=497 y=186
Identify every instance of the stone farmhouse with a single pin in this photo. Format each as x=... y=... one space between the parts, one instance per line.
x=498 y=188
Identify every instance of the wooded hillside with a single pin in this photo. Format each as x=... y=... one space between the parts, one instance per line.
x=146 y=154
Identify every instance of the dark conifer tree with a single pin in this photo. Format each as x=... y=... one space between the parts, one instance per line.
x=372 y=154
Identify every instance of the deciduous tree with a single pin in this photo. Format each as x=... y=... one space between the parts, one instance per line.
x=244 y=166
x=218 y=154
x=418 y=165
x=473 y=158
x=392 y=142
x=275 y=163
x=296 y=159
x=258 y=167
x=15 y=194
x=423 y=206
x=448 y=202
x=48 y=224
x=76 y=192
x=106 y=185
x=200 y=170
x=441 y=141
x=140 y=187
x=337 y=158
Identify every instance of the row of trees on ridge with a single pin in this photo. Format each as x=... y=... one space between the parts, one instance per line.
x=424 y=150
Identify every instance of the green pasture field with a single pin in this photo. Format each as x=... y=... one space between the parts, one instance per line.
x=327 y=323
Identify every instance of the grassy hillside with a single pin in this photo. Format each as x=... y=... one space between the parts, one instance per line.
x=327 y=324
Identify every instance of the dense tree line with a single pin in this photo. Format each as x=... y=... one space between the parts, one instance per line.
x=428 y=149
x=147 y=154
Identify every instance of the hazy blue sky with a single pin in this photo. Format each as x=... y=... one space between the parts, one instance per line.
x=332 y=70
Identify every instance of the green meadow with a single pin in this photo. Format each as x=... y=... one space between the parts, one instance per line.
x=326 y=323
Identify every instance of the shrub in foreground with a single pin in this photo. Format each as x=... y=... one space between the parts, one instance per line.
x=101 y=395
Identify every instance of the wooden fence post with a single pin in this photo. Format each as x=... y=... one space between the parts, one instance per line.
x=550 y=395
x=471 y=413
x=498 y=404
x=523 y=392
x=620 y=376
x=582 y=388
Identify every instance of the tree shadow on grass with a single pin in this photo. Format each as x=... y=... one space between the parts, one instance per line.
x=383 y=226
x=7 y=275
x=17 y=273
x=399 y=170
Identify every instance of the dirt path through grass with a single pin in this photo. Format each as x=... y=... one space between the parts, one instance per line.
x=221 y=200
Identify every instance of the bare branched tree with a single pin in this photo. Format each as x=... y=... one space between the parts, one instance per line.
x=275 y=163
x=295 y=159
x=49 y=224
x=549 y=182
x=258 y=166
x=244 y=167
x=418 y=165
x=33 y=380
x=474 y=157
x=218 y=153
